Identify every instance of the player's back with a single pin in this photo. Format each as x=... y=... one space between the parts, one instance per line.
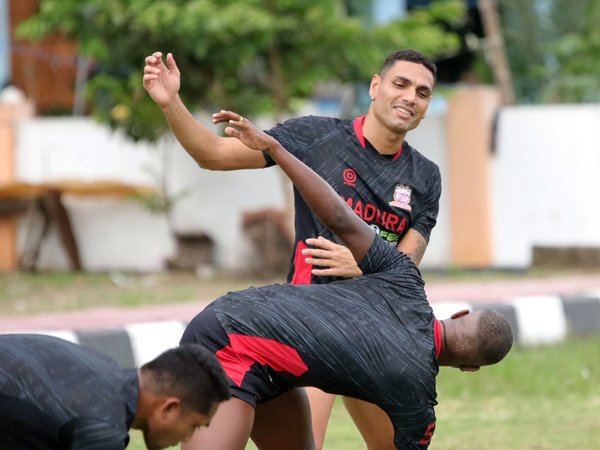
x=51 y=389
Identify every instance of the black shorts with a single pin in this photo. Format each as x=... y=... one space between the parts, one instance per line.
x=249 y=380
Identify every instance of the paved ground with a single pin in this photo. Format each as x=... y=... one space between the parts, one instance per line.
x=540 y=311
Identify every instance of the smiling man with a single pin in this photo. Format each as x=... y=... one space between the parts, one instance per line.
x=366 y=160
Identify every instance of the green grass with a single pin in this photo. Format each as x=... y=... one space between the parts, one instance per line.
x=536 y=399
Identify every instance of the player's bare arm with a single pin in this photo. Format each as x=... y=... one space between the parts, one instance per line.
x=413 y=244
x=162 y=82
x=329 y=207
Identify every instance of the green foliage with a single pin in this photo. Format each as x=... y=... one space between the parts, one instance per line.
x=554 y=49
x=576 y=74
x=254 y=56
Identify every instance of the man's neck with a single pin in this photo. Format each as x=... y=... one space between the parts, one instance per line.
x=444 y=357
x=385 y=141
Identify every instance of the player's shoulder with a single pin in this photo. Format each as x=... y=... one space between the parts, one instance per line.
x=311 y=124
x=385 y=258
x=420 y=157
x=427 y=168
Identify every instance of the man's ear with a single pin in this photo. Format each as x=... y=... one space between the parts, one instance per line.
x=170 y=406
x=462 y=312
x=374 y=84
x=469 y=368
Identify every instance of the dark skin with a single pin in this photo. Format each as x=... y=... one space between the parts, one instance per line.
x=335 y=214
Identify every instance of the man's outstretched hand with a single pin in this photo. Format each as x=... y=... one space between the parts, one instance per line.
x=161 y=81
x=244 y=130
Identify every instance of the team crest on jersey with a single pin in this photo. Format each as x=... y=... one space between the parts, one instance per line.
x=402 y=197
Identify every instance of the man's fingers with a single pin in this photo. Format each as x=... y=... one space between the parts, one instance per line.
x=148 y=78
x=318 y=262
x=151 y=70
x=321 y=242
x=230 y=131
x=317 y=253
x=323 y=272
x=154 y=59
x=171 y=64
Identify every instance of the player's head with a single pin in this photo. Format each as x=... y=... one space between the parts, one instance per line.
x=408 y=55
x=472 y=340
x=401 y=91
x=180 y=391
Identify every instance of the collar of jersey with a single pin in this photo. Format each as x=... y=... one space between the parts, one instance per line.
x=358 y=129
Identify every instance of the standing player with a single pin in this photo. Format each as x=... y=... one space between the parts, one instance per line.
x=58 y=395
x=372 y=337
x=367 y=161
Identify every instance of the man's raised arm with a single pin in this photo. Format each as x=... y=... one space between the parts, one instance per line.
x=210 y=151
x=329 y=207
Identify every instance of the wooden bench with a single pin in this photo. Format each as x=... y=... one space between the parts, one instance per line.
x=45 y=199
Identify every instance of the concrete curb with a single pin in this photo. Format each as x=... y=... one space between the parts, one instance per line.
x=539 y=319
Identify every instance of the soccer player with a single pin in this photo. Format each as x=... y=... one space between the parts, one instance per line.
x=372 y=337
x=367 y=161
x=58 y=395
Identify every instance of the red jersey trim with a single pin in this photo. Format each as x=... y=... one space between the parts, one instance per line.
x=358 y=125
x=243 y=351
x=302 y=270
x=358 y=129
x=437 y=336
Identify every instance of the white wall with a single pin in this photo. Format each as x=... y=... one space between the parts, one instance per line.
x=546 y=182
x=546 y=189
x=117 y=233
x=111 y=233
x=213 y=203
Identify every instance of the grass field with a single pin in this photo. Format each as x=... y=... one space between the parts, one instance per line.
x=26 y=293
x=541 y=398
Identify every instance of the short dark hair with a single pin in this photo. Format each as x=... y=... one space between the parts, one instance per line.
x=495 y=336
x=192 y=373
x=410 y=56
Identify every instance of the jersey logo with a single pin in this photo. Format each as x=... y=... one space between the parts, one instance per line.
x=350 y=177
x=402 y=197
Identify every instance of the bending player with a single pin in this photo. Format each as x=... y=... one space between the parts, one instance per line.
x=373 y=337
x=58 y=395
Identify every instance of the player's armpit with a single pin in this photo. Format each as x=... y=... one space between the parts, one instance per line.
x=413 y=244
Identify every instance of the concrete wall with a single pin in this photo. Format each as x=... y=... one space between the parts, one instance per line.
x=546 y=183
x=213 y=203
x=115 y=233
x=543 y=183
x=111 y=233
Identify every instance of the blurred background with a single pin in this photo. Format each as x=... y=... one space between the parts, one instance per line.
x=91 y=178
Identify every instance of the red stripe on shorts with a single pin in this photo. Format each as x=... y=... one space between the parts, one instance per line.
x=243 y=351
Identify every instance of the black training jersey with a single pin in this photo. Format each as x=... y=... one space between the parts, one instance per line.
x=58 y=395
x=370 y=337
x=392 y=194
